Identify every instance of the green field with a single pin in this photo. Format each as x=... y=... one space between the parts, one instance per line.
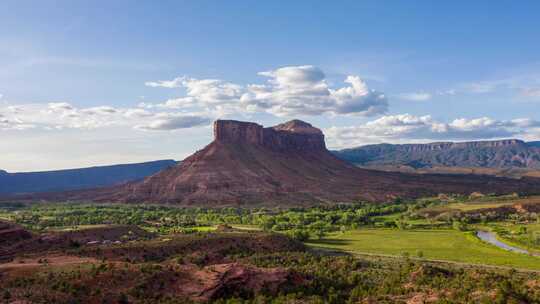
x=448 y=245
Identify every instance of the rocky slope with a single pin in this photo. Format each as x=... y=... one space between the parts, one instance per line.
x=487 y=154
x=284 y=165
x=63 y=180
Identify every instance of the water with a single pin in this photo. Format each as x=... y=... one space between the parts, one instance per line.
x=491 y=238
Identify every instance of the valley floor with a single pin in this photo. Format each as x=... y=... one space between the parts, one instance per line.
x=424 y=251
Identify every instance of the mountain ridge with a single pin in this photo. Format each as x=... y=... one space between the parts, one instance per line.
x=78 y=178
x=488 y=154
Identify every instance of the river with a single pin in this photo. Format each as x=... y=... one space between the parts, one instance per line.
x=491 y=238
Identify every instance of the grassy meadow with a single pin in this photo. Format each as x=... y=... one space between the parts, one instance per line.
x=435 y=244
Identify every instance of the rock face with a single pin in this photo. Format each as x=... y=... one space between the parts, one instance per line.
x=286 y=165
x=510 y=153
x=225 y=280
x=292 y=136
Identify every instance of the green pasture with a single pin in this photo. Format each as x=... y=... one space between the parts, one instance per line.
x=433 y=244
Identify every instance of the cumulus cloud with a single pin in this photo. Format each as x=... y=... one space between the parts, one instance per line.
x=303 y=90
x=416 y=96
x=406 y=127
x=288 y=91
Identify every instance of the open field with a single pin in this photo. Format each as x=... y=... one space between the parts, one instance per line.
x=434 y=244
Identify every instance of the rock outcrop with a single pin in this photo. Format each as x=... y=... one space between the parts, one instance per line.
x=292 y=136
x=225 y=280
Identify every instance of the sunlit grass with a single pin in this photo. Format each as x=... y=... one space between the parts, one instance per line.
x=448 y=245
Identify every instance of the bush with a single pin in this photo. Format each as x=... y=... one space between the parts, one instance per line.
x=299 y=235
x=459 y=226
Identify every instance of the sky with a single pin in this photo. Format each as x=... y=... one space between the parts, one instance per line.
x=86 y=83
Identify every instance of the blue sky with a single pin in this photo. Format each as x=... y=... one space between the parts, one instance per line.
x=102 y=82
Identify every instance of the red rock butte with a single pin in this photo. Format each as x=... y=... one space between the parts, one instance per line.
x=294 y=135
x=286 y=165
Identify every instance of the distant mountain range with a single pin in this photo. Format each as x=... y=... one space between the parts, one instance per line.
x=75 y=179
x=510 y=153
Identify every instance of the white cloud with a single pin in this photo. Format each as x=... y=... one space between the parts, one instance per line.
x=59 y=106
x=175 y=83
x=137 y=113
x=178 y=103
x=101 y=110
x=212 y=91
x=303 y=90
x=410 y=128
x=8 y=125
x=175 y=122
x=416 y=96
x=288 y=91
x=62 y=115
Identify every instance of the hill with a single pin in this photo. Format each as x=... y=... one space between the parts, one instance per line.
x=284 y=165
x=511 y=153
x=534 y=144
x=74 y=179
